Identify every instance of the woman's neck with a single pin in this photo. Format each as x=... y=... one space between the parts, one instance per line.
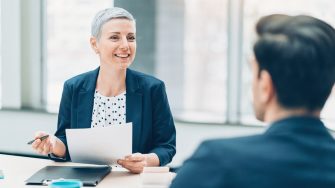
x=111 y=81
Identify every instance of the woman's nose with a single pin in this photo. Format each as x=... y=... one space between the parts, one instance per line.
x=124 y=44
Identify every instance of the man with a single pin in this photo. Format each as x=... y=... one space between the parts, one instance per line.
x=293 y=74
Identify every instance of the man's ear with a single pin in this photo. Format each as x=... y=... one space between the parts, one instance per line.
x=94 y=44
x=266 y=87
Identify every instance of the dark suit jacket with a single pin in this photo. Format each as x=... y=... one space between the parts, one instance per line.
x=293 y=152
x=147 y=108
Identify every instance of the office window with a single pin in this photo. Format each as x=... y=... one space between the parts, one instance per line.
x=328 y=112
x=184 y=43
x=68 y=48
x=204 y=59
x=0 y=61
x=253 y=10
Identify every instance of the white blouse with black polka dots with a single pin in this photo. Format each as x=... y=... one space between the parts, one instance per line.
x=108 y=110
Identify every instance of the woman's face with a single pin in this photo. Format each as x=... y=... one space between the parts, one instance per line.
x=117 y=44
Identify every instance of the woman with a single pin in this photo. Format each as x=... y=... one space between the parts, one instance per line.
x=113 y=94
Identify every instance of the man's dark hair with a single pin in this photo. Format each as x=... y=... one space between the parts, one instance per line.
x=299 y=54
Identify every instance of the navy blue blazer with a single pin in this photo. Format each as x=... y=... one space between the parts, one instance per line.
x=293 y=152
x=147 y=108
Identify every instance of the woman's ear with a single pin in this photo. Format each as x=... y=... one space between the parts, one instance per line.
x=94 y=45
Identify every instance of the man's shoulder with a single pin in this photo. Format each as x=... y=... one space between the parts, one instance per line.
x=232 y=147
x=215 y=158
x=243 y=140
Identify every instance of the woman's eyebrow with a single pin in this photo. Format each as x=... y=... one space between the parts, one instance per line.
x=114 y=32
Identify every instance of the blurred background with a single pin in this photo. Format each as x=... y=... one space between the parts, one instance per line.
x=199 y=48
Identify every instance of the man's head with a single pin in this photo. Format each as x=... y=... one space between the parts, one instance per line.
x=294 y=63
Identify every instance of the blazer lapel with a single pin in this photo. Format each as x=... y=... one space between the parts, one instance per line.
x=85 y=101
x=134 y=106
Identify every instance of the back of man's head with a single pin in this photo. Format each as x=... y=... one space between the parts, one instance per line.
x=299 y=54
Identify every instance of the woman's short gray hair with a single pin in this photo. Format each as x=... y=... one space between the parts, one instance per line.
x=105 y=15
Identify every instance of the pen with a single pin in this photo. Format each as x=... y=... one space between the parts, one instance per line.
x=41 y=138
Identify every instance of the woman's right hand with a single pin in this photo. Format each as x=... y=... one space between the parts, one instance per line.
x=51 y=144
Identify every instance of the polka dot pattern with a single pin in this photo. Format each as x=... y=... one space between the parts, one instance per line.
x=108 y=111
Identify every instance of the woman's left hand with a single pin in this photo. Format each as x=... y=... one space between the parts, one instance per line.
x=137 y=161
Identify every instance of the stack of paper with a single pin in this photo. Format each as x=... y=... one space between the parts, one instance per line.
x=156 y=177
x=103 y=146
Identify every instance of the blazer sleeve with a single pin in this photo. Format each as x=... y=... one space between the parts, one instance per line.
x=164 y=132
x=201 y=170
x=64 y=120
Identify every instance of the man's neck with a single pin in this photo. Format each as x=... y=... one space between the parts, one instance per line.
x=278 y=113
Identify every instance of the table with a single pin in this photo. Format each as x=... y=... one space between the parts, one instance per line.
x=17 y=169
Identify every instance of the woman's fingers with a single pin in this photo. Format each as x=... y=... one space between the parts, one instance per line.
x=134 y=163
x=42 y=146
x=134 y=167
x=136 y=157
x=36 y=144
x=46 y=147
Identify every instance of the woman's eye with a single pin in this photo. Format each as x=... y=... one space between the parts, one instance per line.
x=131 y=38
x=114 y=37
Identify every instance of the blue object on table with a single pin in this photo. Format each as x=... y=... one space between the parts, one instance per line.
x=66 y=183
x=1 y=175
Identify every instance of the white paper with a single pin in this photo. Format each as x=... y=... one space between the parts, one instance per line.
x=101 y=145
